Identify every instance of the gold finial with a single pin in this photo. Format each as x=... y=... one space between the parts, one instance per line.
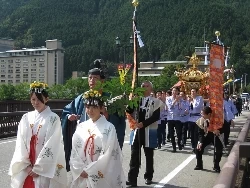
x=217 y=33
x=135 y=3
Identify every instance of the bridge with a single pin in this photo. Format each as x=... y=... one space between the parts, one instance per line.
x=172 y=170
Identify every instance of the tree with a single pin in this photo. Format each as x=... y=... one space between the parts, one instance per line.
x=21 y=91
x=7 y=92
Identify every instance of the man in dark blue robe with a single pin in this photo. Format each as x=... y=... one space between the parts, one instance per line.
x=76 y=111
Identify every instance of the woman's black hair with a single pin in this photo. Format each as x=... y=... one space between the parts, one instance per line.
x=39 y=95
x=94 y=101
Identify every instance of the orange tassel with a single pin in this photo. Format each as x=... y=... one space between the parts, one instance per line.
x=132 y=122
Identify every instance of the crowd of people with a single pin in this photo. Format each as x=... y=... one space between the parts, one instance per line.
x=84 y=147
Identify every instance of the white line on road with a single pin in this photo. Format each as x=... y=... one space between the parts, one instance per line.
x=172 y=174
x=7 y=142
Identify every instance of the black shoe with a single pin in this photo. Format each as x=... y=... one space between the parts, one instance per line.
x=131 y=184
x=148 y=182
x=198 y=168
x=159 y=147
x=174 y=151
x=164 y=143
x=168 y=140
x=180 y=147
x=216 y=169
x=194 y=152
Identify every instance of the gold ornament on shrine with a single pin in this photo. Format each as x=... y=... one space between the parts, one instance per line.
x=193 y=78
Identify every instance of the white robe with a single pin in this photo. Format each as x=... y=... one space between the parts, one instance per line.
x=50 y=157
x=105 y=171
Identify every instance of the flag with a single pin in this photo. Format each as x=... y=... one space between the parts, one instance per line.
x=217 y=64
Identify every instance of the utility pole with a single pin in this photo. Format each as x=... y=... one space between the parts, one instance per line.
x=245 y=79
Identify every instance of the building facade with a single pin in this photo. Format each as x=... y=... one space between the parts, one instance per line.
x=44 y=64
x=152 y=68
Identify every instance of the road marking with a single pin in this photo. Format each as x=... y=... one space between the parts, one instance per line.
x=172 y=174
x=7 y=142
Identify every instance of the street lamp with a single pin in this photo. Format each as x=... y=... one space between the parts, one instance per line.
x=119 y=45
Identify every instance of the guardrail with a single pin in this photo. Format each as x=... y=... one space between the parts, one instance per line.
x=9 y=122
x=228 y=174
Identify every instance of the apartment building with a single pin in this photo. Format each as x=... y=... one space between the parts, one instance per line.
x=44 y=64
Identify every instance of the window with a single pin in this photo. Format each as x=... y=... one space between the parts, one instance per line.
x=41 y=59
x=25 y=65
x=33 y=59
x=41 y=64
x=10 y=76
x=17 y=81
x=33 y=75
x=25 y=75
x=33 y=70
x=2 y=71
x=33 y=64
x=17 y=75
x=10 y=61
x=2 y=81
x=2 y=66
x=41 y=80
x=10 y=66
x=17 y=70
x=18 y=61
x=2 y=76
x=18 y=65
x=41 y=75
x=41 y=70
x=10 y=71
x=10 y=81
x=25 y=70
x=25 y=80
x=2 y=60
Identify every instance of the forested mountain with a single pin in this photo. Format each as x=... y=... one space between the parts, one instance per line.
x=170 y=29
x=7 y=7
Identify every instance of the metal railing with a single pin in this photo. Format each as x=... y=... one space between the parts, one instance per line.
x=228 y=174
x=9 y=122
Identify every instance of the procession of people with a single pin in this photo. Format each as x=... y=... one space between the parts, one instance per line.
x=84 y=147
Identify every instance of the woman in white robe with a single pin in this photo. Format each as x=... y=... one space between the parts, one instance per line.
x=38 y=160
x=96 y=159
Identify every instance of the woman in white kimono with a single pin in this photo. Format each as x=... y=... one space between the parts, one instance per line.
x=38 y=160
x=96 y=159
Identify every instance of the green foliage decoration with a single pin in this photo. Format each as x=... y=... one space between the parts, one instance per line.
x=117 y=95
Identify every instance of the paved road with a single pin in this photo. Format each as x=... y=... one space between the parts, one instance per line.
x=172 y=170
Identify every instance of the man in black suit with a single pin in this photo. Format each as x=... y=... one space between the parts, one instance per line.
x=144 y=135
x=207 y=137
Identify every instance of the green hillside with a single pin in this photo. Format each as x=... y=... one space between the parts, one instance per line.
x=170 y=29
x=7 y=7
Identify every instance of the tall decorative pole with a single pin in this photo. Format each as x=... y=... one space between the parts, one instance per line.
x=135 y=71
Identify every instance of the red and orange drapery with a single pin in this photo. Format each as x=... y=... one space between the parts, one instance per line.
x=216 y=80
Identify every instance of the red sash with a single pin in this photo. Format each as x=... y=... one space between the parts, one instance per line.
x=29 y=183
